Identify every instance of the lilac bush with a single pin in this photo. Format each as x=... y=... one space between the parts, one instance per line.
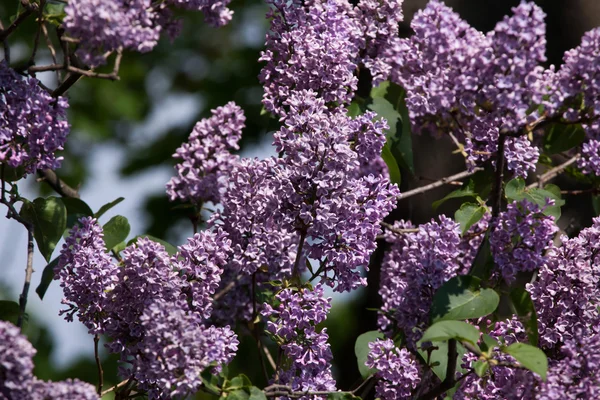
x=499 y=300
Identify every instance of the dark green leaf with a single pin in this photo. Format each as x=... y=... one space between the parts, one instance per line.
x=239 y=382
x=516 y=190
x=445 y=330
x=9 y=311
x=168 y=246
x=386 y=110
x=402 y=143
x=49 y=219
x=13 y=174
x=47 y=277
x=484 y=262
x=438 y=360
x=562 y=137
x=469 y=214
x=381 y=90
x=115 y=231
x=256 y=394
x=392 y=164
x=596 y=204
x=238 y=395
x=361 y=349
x=107 y=207
x=530 y=357
x=525 y=310
x=481 y=367
x=467 y=190
x=354 y=109
x=76 y=209
x=489 y=343
x=462 y=298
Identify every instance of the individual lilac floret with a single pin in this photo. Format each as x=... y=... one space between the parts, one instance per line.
x=379 y=20
x=294 y=322
x=416 y=265
x=312 y=45
x=590 y=157
x=215 y=12
x=107 y=25
x=397 y=370
x=206 y=158
x=68 y=389
x=567 y=290
x=520 y=238
x=33 y=125
x=16 y=365
x=146 y=276
x=176 y=348
x=201 y=262
x=576 y=373
x=87 y=275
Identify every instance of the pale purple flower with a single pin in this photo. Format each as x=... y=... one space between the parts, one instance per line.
x=397 y=370
x=68 y=389
x=16 y=365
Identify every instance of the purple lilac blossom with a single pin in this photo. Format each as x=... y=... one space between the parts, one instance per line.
x=321 y=192
x=576 y=373
x=33 y=125
x=397 y=370
x=567 y=289
x=176 y=348
x=520 y=238
x=68 y=389
x=379 y=20
x=16 y=365
x=579 y=85
x=294 y=322
x=416 y=265
x=87 y=275
x=310 y=46
x=215 y=12
x=206 y=158
x=474 y=85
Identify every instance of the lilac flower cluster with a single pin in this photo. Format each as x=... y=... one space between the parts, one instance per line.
x=153 y=307
x=33 y=124
x=415 y=266
x=566 y=291
x=16 y=372
x=397 y=370
x=103 y=26
x=520 y=237
x=293 y=322
x=206 y=157
x=476 y=85
x=309 y=47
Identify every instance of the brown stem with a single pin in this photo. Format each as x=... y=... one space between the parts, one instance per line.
x=60 y=187
x=98 y=364
x=27 y=283
x=554 y=172
x=450 y=379
x=29 y=9
x=438 y=183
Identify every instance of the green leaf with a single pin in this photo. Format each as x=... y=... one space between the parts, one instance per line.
x=445 y=330
x=467 y=190
x=13 y=174
x=361 y=350
x=489 y=343
x=381 y=90
x=238 y=395
x=516 y=190
x=341 y=396
x=168 y=246
x=107 y=207
x=239 y=382
x=49 y=219
x=438 y=360
x=525 y=310
x=596 y=204
x=257 y=394
x=402 y=144
x=392 y=164
x=76 y=209
x=484 y=262
x=115 y=231
x=354 y=109
x=530 y=357
x=47 y=278
x=469 y=214
x=562 y=137
x=210 y=381
x=386 y=110
x=461 y=298
x=481 y=367
x=9 y=311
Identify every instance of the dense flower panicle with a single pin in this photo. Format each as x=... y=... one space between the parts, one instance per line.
x=33 y=125
x=379 y=20
x=575 y=374
x=590 y=157
x=396 y=368
x=176 y=348
x=294 y=321
x=416 y=265
x=310 y=46
x=520 y=237
x=567 y=289
x=215 y=12
x=16 y=364
x=206 y=158
x=87 y=275
x=68 y=389
x=201 y=263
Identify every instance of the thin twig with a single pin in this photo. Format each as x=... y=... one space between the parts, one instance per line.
x=450 y=380
x=554 y=172
x=29 y=9
x=5 y=45
x=27 y=283
x=98 y=364
x=57 y=184
x=438 y=183
x=38 y=33
x=115 y=387
x=399 y=231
